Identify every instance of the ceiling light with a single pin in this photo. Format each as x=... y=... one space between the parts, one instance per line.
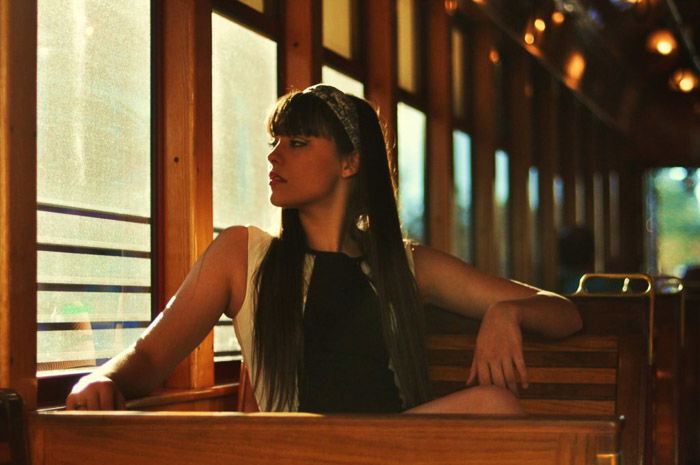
x=684 y=80
x=540 y=25
x=661 y=41
x=558 y=17
x=529 y=38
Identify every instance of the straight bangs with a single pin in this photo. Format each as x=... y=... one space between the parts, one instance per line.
x=300 y=114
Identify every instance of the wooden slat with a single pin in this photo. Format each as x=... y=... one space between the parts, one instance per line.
x=165 y=397
x=110 y=438
x=536 y=374
x=532 y=359
x=18 y=261
x=580 y=343
x=568 y=407
x=184 y=154
x=439 y=130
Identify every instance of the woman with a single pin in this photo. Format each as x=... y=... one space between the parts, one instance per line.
x=329 y=314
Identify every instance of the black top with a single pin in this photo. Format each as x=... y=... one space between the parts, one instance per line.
x=346 y=364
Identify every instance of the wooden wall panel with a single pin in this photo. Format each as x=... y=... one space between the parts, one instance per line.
x=381 y=62
x=301 y=44
x=18 y=261
x=439 y=169
x=484 y=144
x=184 y=161
x=518 y=73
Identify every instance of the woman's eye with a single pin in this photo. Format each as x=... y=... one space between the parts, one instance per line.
x=297 y=143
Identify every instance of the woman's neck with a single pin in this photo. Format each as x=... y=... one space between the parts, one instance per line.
x=324 y=231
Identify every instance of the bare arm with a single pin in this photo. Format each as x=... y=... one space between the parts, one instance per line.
x=215 y=284
x=503 y=306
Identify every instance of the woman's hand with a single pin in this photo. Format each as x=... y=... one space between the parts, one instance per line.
x=95 y=392
x=499 y=350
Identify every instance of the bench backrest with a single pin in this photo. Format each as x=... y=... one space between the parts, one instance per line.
x=228 y=438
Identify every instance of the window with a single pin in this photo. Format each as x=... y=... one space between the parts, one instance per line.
x=93 y=179
x=244 y=87
x=502 y=212
x=407 y=41
x=342 y=81
x=338 y=28
x=533 y=185
x=411 y=148
x=462 y=237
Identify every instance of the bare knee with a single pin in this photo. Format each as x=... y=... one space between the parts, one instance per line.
x=482 y=400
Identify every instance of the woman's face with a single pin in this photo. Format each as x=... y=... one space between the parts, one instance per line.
x=306 y=170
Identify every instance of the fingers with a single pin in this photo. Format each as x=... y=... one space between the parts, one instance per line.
x=95 y=394
x=509 y=376
x=519 y=362
x=472 y=374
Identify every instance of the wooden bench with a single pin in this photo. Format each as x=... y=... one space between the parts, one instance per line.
x=175 y=438
x=606 y=369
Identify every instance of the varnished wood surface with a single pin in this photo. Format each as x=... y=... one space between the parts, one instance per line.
x=183 y=222
x=18 y=260
x=226 y=438
x=301 y=44
x=204 y=399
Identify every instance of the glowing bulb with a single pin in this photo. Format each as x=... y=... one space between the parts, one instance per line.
x=494 y=56
x=661 y=41
x=558 y=17
x=686 y=84
x=664 y=47
x=540 y=25
x=529 y=38
x=684 y=80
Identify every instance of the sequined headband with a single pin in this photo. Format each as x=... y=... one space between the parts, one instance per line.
x=343 y=108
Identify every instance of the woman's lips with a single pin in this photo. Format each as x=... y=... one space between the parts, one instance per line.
x=276 y=178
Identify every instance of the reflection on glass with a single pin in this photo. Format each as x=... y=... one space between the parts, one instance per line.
x=93 y=179
x=407 y=45
x=337 y=26
x=411 y=154
x=502 y=212
x=342 y=81
x=462 y=236
x=244 y=87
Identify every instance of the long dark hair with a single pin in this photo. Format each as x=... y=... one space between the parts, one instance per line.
x=371 y=219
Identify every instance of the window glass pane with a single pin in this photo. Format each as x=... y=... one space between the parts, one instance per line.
x=674 y=220
x=244 y=87
x=411 y=154
x=407 y=45
x=257 y=4
x=93 y=178
x=342 y=82
x=558 y=201
x=458 y=73
x=462 y=224
x=502 y=212
x=337 y=26
x=534 y=203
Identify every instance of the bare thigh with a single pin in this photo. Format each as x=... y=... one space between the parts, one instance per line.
x=483 y=400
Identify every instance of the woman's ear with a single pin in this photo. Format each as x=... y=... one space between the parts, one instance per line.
x=351 y=165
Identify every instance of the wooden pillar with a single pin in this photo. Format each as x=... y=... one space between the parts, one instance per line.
x=184 y=161
x=547 y=92
x=570 y=161
x=301 y=44
x=439 y=133
x=518 y=73
x=380 y=54
x=18 y=261
x=484 y=147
